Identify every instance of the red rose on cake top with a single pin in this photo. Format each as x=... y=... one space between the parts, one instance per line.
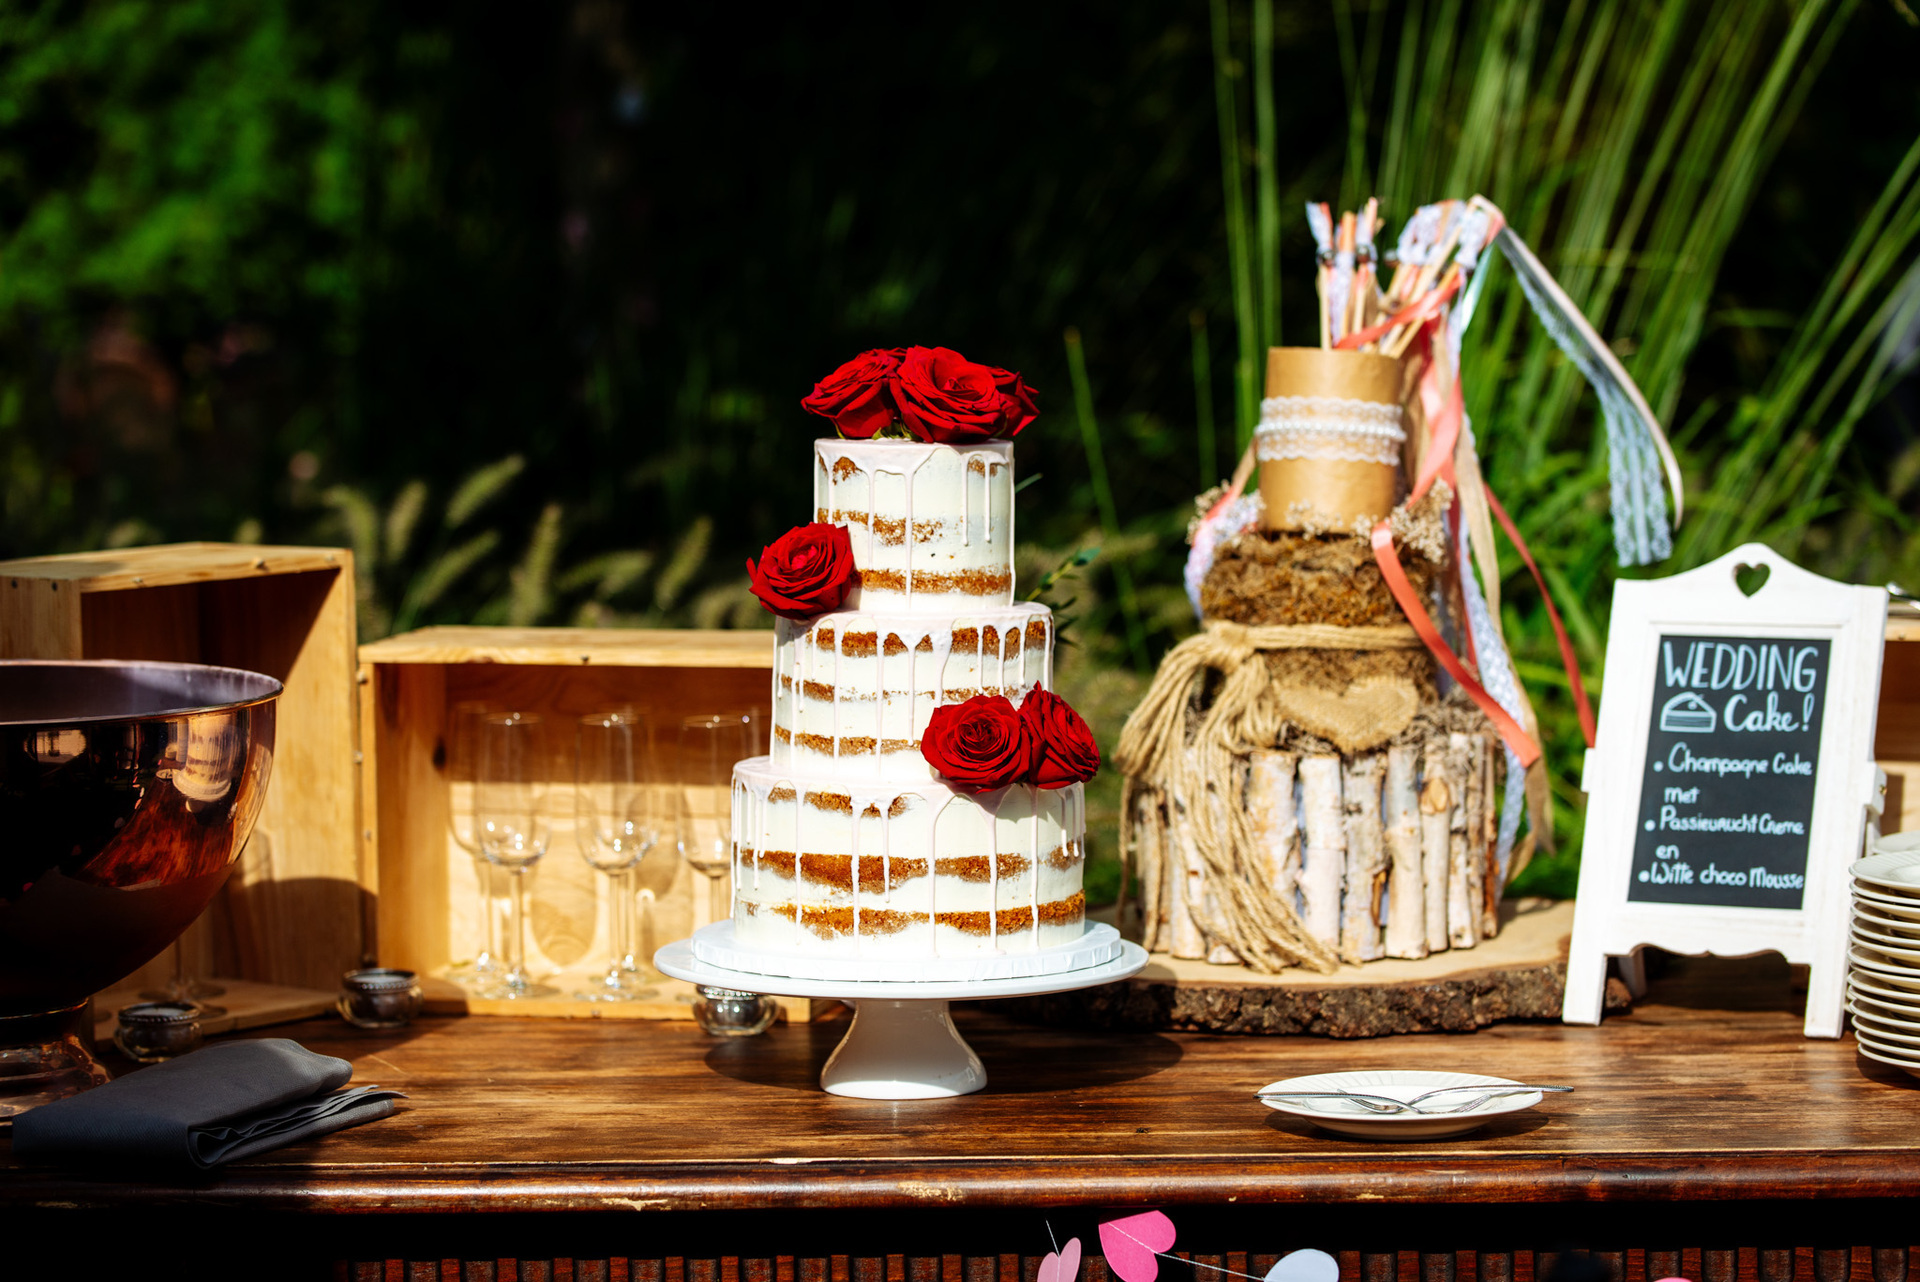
x=981 y=744
x=987 y=743
x=931 y=394
x=805 y=572
x=1068 y=753
x=858 y=396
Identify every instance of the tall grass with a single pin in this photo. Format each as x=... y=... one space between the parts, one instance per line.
x=1627 y=144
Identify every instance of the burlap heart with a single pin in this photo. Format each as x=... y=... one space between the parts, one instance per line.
x=1363 y=716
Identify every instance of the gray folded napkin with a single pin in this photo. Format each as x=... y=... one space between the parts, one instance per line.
x=225 y=1101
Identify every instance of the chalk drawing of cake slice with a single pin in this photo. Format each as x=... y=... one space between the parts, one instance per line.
x=1687 y=713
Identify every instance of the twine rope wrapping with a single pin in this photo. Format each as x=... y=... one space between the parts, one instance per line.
x=1185 y=760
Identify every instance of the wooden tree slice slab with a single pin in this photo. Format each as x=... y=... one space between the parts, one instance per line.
x=1518 y=974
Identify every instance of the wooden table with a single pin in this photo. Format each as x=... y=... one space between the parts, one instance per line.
x=1706 y=1138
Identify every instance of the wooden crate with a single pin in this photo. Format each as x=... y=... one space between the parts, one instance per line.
x=1896 y=735
x=295 y=910
x=428 y=886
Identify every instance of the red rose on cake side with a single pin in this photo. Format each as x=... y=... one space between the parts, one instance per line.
x=931 y=394
x=981 y=744
x=805 y=572
x=988 y=743
x=1068 y=753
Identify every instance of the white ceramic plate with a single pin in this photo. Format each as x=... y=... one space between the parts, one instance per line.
x=1864 y=958
x=1908 y=959
x=1875 y=1053
x=1887 y=905
x=1894 y=871
x=1344 y=1117
x=1881 y=989
x=1891 y=1052
x=1884 y=1030
x=1887 y=1012
x=1887 y=923
x=1879 y=936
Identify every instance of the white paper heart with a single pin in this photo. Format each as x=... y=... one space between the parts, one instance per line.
x=1305 y=1266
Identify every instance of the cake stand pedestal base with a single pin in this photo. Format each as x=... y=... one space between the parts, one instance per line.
x=902 y=1050
x=902 y=1044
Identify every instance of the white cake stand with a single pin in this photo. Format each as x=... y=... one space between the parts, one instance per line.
x=902 y=1043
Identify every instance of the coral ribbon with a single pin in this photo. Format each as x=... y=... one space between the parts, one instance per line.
x=1567 y=657
x=1419 y=311
x=1397 y=582
x=1439 y=463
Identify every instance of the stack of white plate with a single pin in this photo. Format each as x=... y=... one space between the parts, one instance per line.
x=1883 y=982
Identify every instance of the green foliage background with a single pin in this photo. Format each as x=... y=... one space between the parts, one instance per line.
x=519 y=300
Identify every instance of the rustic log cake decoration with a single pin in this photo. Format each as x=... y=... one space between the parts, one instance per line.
x=1299 y=791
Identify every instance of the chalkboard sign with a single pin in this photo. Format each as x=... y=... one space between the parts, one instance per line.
x=1731 y=775
x=1733 y=747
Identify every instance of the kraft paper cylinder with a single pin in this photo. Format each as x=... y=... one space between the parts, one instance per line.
x=1340 y=494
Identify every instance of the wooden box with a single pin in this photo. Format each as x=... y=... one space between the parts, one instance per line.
x=295 y=910
x=429 y=886
x=1896 y=734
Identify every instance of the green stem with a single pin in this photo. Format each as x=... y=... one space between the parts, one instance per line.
x=1103 y=493
x=1246 y=398
x=1203 y=399
x=1266 y=182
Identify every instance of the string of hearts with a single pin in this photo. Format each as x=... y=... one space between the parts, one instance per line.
x=1135 y=1245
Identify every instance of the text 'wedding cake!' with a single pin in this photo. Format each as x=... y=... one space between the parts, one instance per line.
x=923 y=793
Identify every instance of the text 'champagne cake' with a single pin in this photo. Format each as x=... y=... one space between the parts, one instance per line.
x=923 y=793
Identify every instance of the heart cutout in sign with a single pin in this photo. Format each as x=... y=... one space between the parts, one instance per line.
x=1062 y=1267
x=1305 y=1266
x=1751 y=578
x=1131 y=1245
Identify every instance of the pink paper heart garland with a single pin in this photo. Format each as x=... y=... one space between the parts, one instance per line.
x=1063 y=1267
x=1130 y=1245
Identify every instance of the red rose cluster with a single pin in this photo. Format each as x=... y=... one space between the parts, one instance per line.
x=934 y=392
x=806 y=571
x=987 y=743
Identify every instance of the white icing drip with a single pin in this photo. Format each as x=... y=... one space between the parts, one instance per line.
x=799 y=877
x=1033 y=839
x=993 y=874
x=966 y=501
x=986 y=497
x=735 y=828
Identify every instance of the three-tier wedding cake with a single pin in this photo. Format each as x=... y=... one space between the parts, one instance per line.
x=923 y=793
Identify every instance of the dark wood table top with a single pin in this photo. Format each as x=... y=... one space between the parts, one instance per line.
x=1706 y=1090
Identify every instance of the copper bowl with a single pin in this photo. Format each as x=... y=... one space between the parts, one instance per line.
x=127 y=790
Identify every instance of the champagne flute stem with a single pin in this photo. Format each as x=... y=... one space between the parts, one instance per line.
x=624 y=909
x=646 y=932
x=517 y=931
x=618 y=947
x=716 y=909
x=489 y=926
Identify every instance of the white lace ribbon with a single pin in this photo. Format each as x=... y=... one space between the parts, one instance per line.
x=1328 y=427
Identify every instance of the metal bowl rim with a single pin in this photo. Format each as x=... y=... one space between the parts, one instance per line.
x=279 y=688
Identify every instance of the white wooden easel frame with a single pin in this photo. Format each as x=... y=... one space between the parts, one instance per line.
x=1792 y=603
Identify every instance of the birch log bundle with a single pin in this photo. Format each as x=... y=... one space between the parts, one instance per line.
x=1390 y=853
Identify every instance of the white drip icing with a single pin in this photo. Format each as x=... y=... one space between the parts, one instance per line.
x=1034 y=839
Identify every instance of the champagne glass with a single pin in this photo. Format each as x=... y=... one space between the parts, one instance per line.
x=463 y=757
x=615 y=827
x=510 y=820
x=710 y=744
x=709 y=747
